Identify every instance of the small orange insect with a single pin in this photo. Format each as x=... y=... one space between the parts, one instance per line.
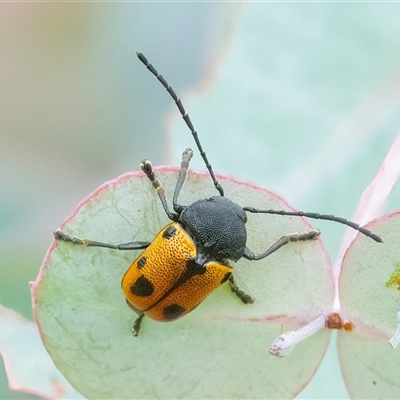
x=189 y=258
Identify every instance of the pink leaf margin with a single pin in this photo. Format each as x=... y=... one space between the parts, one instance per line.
x=372 y=201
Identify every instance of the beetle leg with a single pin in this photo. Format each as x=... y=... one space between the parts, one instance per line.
x=282 y=241
x=138 y=320
x=61 y=236
x=247 y=299
x=147 y=168
x=186 y=157
x=136 y=325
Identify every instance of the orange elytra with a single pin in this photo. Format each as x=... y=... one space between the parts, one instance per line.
x=165 y=294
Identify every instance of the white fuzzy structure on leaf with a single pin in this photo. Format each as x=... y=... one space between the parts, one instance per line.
x=286 y=342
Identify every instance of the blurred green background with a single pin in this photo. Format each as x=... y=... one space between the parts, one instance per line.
x=302 y=98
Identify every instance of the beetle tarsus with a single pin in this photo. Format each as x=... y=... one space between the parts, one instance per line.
x=187 y=155
x=246 y=298
x=147 y=167
x=61 y=236
x=137 y=324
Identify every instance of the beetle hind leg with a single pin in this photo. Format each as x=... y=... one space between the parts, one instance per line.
x=138 y=321
x=137 y=324
x=246 y=298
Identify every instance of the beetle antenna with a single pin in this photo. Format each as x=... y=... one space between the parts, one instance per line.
x=326 y=217
x=185 y=117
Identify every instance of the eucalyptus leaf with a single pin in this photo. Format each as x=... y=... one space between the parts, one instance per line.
x=220 y=350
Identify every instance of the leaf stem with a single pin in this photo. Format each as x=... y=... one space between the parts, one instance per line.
x=286 y=342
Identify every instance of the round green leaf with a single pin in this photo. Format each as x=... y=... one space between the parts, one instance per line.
x=220 y=350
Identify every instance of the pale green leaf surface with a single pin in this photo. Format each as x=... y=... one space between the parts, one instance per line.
x=369 y=298
x=370 y=367
x=220 y=350
x=29 y=367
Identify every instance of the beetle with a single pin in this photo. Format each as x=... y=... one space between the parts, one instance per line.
x=190 y=257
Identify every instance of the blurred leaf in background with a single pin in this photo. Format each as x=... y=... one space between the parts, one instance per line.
x=74 y=113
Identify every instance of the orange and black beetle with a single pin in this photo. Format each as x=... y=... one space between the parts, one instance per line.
x=189 y=258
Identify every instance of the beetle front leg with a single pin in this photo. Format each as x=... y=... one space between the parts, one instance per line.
x=186 y=157
x=147 y=167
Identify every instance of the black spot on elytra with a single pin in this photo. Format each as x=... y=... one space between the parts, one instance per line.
x=169 y=232
x=172 y=312
x=141 y=263
x=226 y=277
x=142 y=287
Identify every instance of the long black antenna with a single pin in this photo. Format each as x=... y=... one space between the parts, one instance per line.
x=185 y=117
x=318 y=216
